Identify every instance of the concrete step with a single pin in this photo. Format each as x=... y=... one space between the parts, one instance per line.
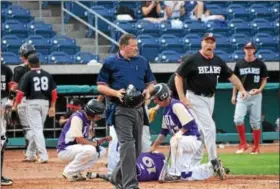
x=51 y=20
x=91 y=48
x=67 y=27
x=85 y=41
x=76 y=34
x=45 y=13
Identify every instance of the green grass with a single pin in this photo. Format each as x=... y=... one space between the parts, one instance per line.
x=247 y=164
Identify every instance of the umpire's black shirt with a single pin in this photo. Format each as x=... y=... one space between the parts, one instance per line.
x=202 y=73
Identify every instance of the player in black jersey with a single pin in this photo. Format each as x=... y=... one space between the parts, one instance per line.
x=24 y=51
x=253 y=74
x=39 y=88
x=201 y=71
x=6 y=78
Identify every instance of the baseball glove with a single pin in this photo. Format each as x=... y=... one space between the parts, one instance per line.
x=152 y=114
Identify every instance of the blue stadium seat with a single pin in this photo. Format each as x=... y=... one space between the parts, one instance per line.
x=85 y=57
x=238 y=11
x=5 y=4
x=166 y=28
x=267 y=55
x=223 y=43
x=217 y=9
x=43 y=58
x=260 y=11
x=224 y=55
x=148 y=46
x=222 y=4
x=169 y=57
x=41 y=44
x=266 y=41
x=102 y=25
x=3 y=15
x=193 y=26
x=190 y=52
x=106 y=4
x=11 y=43
x=261 y=25
x=275 y=10
x=276 y=26
x=15 y=12
x=40 y=28
x=45 y=4
x=129 y=4
x=10 y=58
x=77 y=9
x=238 y=55
x=238 y=40
x=14 y=27
x=146 y=27
x=191 y=42
x=238 y=25
x=60 y=58
x=171 y=42
x=217 y=27
x=64 y=44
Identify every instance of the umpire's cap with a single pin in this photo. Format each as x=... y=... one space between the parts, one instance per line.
x=26 y=49
x=94 y=107
x=161 y=91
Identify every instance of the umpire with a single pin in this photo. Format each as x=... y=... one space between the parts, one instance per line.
x=126 y=68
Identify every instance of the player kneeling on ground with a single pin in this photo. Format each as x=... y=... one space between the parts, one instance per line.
x=73 y=144
x=185 y=141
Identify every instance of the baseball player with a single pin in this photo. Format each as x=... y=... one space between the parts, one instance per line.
x=73 y=144
x=6 y=77
x=39 y=88
x=185 y=140
x=201 y=71
x=74 y=105
x=25 y=50
x=253 y=74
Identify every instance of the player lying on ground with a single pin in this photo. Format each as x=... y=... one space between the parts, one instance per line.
x=185 y=141
x=73 y=144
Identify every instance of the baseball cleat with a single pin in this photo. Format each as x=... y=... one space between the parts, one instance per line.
x=29 y=160
x=6 y=181
x=218 y=168
x=242 y=148
x=227 y=170
x=73 y=177
x=92 y=175
x=171 y=178
x=105 y=177
x=255 y=150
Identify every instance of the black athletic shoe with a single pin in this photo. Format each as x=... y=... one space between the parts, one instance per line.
x=218 y=168
x=6 y=181
x=171 y=178
x=227 y=170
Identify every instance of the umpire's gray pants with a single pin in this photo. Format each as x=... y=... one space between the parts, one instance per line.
x=128 y=125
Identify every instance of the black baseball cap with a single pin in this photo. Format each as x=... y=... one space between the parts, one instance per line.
x=209 y=36
x=74 y=102
x=250 y=45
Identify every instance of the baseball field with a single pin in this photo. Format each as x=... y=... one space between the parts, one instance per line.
x=247 y=172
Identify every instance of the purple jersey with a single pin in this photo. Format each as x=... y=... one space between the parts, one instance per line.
x=65 y=141
x=172 y=123
x=149 y=166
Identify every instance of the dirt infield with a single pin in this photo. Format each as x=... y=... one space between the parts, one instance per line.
x=48 y=176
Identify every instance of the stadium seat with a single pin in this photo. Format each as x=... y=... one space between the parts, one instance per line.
x=129 y=4
x=171 y=42
x=102 y=25
x=146 y=27
x=41 y=44
x=169 y=57
x=5 y=4
x=275 y=11
x=190 y=52
x=14 y=27
x=222 y=4
x=3 y=15
x=276 y=26
x=15 y=12
x=43 y=58
x=60 y=58
x=11 y=43
x=77 y=9
x=148 y=46
x=40 y=28
x=267 y=55
x=166 y=28
x=10 y=58
x=85 y=58
x=261 y=25
x=193 y=26
x=266 y=41
x=223 y=43
x=238 y=11
x=260 y=11
x=45 y=4
x=238 y=25
x=217 y=9
x=191 y=42
x=238 y=55
x=64 y=44
x=106 y=4
x=238 y=40
x=224 y=55
x=217 y=27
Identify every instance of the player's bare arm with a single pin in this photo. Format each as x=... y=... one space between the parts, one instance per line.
x=106 y=90
x=237 y=83
x=157 y=142
x=260 y=89
x=233 y=98
x=179 y=82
